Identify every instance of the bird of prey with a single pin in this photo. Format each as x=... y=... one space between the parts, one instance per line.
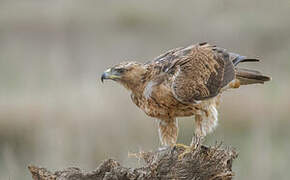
x=184 y=82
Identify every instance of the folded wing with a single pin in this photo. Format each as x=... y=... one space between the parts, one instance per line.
x=200 y=72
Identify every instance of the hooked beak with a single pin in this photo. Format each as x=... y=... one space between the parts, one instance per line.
x=105 y=75
x=109 y=74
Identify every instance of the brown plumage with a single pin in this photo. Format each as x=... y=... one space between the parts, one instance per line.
x=184 y=82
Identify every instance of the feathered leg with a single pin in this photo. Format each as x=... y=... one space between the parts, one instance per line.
x=205 y=122
x=168 y=131
x=199 y=130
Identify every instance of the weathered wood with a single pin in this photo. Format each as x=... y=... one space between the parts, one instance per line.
x=209 y=163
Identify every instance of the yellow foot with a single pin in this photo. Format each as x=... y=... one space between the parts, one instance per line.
x=187 y=149
x=183 y=146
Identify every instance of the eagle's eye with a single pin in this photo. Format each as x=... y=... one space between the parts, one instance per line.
x=120 y=70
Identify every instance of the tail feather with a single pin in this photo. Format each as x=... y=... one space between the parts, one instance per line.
x=248 y=76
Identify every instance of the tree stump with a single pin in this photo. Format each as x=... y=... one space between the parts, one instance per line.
x=208 y=163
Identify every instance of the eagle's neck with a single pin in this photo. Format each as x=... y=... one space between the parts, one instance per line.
x=136 y=87
x=136 y=83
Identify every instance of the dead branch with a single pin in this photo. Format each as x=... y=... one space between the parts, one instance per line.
x=209 y=163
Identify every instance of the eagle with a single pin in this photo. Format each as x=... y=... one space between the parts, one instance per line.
x=185 y=81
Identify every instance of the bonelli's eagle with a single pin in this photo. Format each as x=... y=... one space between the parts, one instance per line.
x=184 y=82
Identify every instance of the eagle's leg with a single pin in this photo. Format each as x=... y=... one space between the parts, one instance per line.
x=199 y=129
x=168 y=130
x=196 y=139
x=205 y=122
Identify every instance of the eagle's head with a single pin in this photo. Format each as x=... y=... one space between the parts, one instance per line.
x=129 y=74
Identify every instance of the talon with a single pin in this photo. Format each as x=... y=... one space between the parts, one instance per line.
x=183 y=146
x=187 y=150
x=196 y=141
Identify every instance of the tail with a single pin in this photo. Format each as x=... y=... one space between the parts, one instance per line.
x=247 y=76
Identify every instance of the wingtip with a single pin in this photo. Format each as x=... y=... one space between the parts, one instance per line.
x=268 y=78
x=242 y=59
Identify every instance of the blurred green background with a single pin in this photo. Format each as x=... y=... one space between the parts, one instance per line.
x=55 y=112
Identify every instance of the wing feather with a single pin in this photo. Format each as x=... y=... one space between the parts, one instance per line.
x=195 y=73
x=201 y=73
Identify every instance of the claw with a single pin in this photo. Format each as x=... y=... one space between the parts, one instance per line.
x=183 y=146
x=187 y=149
x=196 y=141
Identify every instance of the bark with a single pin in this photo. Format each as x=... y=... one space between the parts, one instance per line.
x=203 y=162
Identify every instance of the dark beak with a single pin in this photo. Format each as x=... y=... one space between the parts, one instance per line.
x=105 y=75
x=110 y=74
